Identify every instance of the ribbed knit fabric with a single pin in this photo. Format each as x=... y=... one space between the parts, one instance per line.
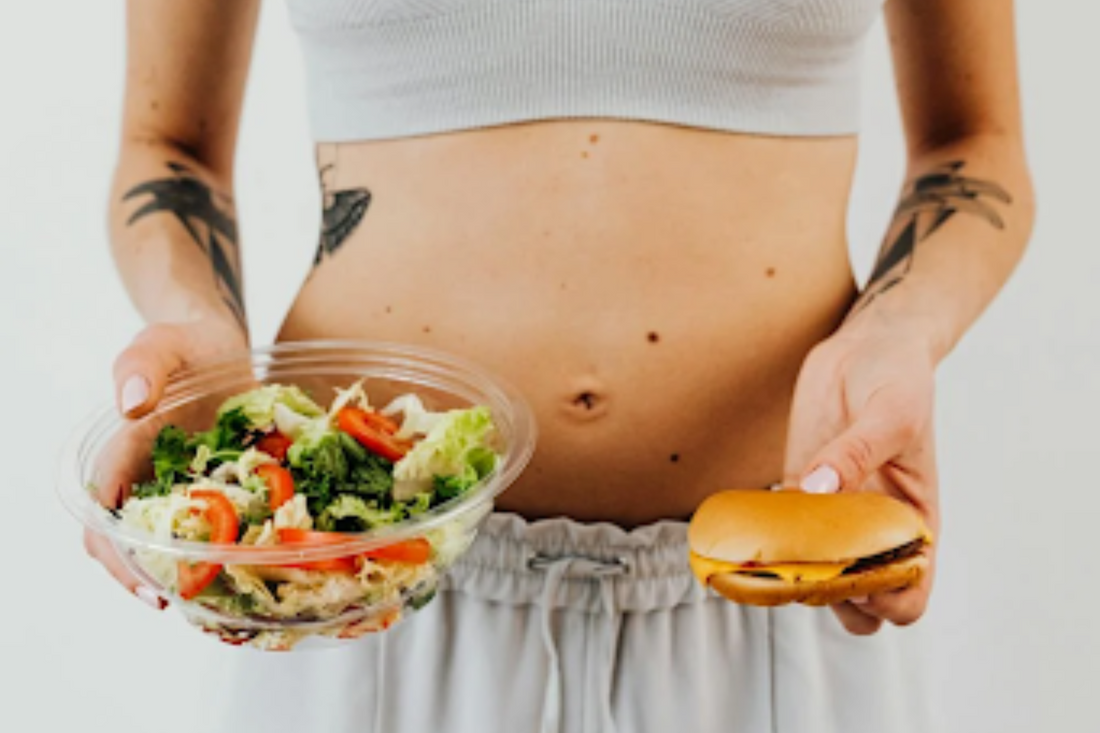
x=395 y=68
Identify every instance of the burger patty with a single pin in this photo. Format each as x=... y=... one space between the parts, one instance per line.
x=907 y=550
x=898 y=553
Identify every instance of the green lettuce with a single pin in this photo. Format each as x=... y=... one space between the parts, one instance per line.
x=258 y=405
x=354 y=514
x=327 y=464
x=453 y=456
x=177 y=456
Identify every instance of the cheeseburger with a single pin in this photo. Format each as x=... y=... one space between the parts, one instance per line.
x=769 y=548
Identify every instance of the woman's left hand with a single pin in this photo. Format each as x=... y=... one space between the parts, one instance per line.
x=862 y=421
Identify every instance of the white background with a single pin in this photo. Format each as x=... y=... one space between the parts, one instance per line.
x=1015 y=620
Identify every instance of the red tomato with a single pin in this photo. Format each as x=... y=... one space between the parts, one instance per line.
x=280 y=484
x=222 y=516
x=293 y=536
x=366 y=427
x=415 y=551
x=194 y=578
x=381 y=422
x=275 y=444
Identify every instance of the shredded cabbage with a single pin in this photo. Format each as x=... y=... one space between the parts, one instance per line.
x=416 y=419
x=456 y=447
x=354 y=396
x=259 y=404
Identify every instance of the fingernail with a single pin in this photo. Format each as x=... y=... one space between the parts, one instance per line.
x=860 y=600
x=822 y=480
x=149 y=597
x=134 y=393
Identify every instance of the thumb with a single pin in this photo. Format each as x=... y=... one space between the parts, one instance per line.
x=882 y=430
x=142 y=370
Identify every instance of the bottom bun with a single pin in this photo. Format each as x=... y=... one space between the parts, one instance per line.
x=757 y=591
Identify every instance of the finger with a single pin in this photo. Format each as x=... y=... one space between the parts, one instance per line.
x=142 y=370
x=901 y=607
x=816 y=416
x=101 y=550
x=882 y=430
x=856 y=621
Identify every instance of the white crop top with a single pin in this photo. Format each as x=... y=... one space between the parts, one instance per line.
x=394 y=68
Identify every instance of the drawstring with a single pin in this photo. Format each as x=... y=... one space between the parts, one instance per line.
x=551 y=701
x=612 y=608
x=557 y=568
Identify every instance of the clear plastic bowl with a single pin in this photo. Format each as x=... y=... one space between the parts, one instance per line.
x=108 y=454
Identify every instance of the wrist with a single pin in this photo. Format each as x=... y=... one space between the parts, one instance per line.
x=920 y=331
x=215 y=318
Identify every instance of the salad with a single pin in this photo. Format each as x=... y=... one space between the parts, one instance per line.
x=277 y=469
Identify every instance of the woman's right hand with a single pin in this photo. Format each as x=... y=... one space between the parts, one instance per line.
x=141 y=373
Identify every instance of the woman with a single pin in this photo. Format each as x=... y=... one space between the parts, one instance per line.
x=635 y=213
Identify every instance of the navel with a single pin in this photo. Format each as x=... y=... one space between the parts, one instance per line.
x=587 y=401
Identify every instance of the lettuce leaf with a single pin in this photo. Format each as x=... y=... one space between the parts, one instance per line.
x=258 y=405
x=327 y=464
x=354 y=514
x=453 y=456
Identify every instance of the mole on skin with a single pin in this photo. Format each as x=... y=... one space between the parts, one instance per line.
x=653 y=337
x=675 y=458
x=594 y=139
x=770 y=272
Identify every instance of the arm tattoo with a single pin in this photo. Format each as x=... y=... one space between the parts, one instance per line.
x=342 y=212
x=930 y=201
x=207 y=217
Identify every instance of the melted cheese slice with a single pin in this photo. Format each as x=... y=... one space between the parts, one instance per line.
x=704 y=568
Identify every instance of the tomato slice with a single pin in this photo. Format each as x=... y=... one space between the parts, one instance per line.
x=275 y=444
x=380 y=422
x=414 y=552
x=373 y=434
x=294 y=536
x=280 y=484
x=224 y=524
x=193 y=579
x=221 y=514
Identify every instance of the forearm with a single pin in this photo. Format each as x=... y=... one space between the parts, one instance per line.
x=961 y=226
x=174 y=236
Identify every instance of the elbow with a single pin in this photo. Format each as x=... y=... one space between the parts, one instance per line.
x=988 y=151
x=199 y=152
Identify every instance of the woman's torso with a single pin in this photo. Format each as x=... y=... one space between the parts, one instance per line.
x=650 y=289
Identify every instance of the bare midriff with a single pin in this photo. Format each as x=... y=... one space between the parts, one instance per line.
x=651 y=290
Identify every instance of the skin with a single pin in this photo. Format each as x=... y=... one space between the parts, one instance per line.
x=676 y=304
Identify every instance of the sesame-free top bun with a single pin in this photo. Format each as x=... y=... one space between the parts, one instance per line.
x=791 y=526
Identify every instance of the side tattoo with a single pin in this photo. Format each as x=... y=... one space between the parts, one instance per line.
x=207 y=217
x=929 y=203
x=342 y=212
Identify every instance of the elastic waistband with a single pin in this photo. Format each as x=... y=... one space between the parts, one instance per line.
x=646 y=568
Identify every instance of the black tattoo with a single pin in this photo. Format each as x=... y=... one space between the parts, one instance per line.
x=207 y=217
x=931 y=200
x=342 y=212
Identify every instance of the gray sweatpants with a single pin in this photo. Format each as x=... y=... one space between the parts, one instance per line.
x=560 y=626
